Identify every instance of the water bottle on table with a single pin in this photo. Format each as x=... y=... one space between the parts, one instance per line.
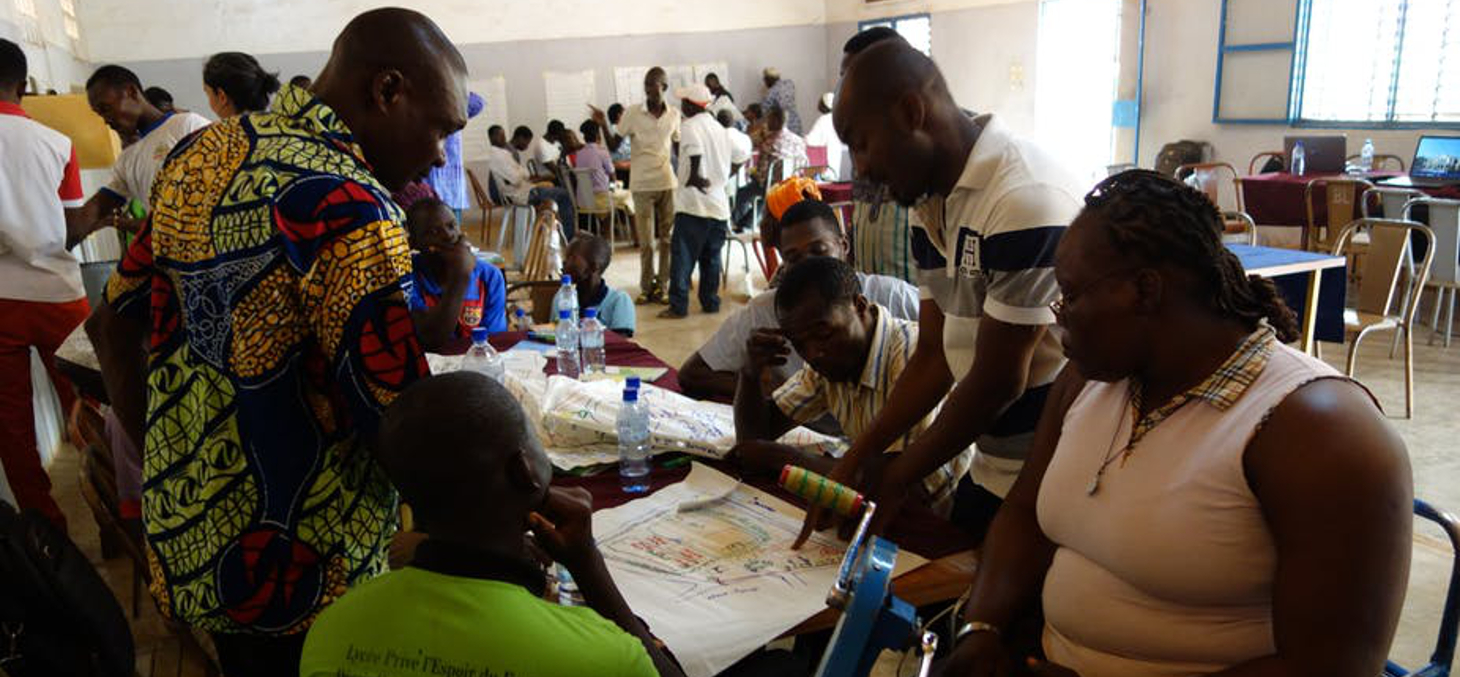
x=520 y=321
x=483 y=358
x=1299 y=165
x=633 y=444
x=569 y=361
x=590 y=336
x=566 y=299
x=1366 y=156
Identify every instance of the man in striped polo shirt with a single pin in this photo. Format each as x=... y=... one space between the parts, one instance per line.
x=989 y=210
x=855 y=352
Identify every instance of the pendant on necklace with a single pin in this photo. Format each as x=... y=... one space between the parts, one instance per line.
x=1094 y=486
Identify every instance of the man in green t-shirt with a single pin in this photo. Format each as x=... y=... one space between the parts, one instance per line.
x=462 y=453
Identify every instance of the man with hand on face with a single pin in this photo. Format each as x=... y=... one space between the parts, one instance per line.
x=117 y=96
x=259 y=326
x=465 y=458
x=991 y=209
x=855 y=353
x=452 y=291
x=653 y=129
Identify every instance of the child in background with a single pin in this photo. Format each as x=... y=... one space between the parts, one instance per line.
x=452 y=291
x=587 y=258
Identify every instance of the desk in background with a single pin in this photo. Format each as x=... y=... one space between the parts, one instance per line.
x=1314 y=286
x=1276 y=198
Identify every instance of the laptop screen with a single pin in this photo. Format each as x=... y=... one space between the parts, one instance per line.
x=1437 y=157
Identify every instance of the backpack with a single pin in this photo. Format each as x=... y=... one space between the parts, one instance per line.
x=57 y=616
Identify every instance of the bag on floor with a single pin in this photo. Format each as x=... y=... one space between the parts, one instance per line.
x=57 y=616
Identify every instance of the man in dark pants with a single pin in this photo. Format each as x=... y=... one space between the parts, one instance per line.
x=701 y=203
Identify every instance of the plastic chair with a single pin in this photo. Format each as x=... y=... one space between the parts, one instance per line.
x=816 y=161
x=586 y=200
x=1444 y=218
x=747 y=239
x=1379 y=160
x=1391 y=203
x=1209 y=177
x=1339 y=196
x=1263 y=157
x=1444 y=653
x=1375 y=308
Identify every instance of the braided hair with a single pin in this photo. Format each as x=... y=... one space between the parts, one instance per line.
x=1158 y=220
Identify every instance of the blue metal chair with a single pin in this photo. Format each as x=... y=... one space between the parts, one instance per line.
x=1444 y=654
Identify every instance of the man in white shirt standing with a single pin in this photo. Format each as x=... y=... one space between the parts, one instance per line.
x=701 y=205
x=652 y=127
x=41 y=297
x=115 y=94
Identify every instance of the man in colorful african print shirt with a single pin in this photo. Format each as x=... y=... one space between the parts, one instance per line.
x=272 y=277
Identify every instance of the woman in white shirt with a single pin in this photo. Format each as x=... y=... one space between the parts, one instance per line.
x=1200 y=499
x=722 y=100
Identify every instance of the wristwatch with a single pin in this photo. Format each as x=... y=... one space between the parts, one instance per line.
x=975 y=626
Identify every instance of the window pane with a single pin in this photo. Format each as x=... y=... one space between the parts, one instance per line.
x=1429 y=64
x=1074 y=89
x=918 y=31
x=1350 y=60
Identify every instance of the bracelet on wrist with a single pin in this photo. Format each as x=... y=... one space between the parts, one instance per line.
x=972 y=627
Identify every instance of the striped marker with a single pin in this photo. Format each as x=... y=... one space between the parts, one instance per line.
x=821 y=491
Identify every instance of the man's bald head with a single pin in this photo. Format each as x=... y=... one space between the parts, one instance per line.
x=462 y=453
x=400 y=86
x=896 y=115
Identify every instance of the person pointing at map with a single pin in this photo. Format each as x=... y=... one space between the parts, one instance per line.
x=464 y=456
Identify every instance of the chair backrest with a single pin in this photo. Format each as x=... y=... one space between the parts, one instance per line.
x=484 y=200
x=775 y=172
x=500 y=186
x=1340 y=194
x=1210 y=178
x=1444 y=219
x=816 y=156
x=1389 y=200
x=546 y=240
x=583 y=197
x=1264 y=157
x=1444 y=654
x=1388 y=254
x=1240 y=222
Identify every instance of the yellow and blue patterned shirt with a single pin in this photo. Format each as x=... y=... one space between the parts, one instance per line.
x=808 y=395
x=273 y=272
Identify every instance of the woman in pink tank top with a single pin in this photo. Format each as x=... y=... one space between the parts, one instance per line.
x=1200 y=499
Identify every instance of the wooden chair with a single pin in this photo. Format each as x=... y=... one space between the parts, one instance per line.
x=1444 y=219
x=586 y=200
x=1209 y=177
x=533 y=287
x=1380 y=159
x=1261 y=159
x=484 y=202
x=1375 y=309
x=1339 y=196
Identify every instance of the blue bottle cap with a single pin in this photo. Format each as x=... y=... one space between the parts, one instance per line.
x=567 y=279
x=631 y=383
x=520 y=312
x=479 y=335
x=631 y=394
x=565 y=314
x=590 y=312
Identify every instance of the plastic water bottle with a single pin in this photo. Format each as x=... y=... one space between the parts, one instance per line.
x=1298 y=166
x=520 y=321
x=567 y=299
x=569 y=362
x=1366 y=156
x=482 y=357
x=633 y=444
x=590 y=336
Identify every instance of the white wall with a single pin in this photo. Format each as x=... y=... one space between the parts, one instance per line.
x=130 y=30
x=861 y=10
x=54 y=62
x=1181 y=66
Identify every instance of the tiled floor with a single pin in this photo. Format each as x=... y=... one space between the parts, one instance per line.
x=1431 y=437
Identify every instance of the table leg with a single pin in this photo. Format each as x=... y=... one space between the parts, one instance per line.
x=1310 y=314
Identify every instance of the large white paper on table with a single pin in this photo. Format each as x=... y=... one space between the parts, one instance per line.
x=474 y=142
x=569 y=95
x=720 y=581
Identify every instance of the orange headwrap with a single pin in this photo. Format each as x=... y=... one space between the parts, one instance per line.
x=786 y=194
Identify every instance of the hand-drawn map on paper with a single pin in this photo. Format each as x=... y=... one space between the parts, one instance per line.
x=718 y=581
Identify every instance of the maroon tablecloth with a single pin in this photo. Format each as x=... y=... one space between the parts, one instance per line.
x=840 y=191
x=1276 y=198
x=618 y=352
x=917 y=529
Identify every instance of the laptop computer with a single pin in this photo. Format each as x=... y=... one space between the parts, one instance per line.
x=1322 y=154
x=1436 y=164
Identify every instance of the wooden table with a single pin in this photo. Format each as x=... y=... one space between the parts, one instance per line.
x=1272 y=262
